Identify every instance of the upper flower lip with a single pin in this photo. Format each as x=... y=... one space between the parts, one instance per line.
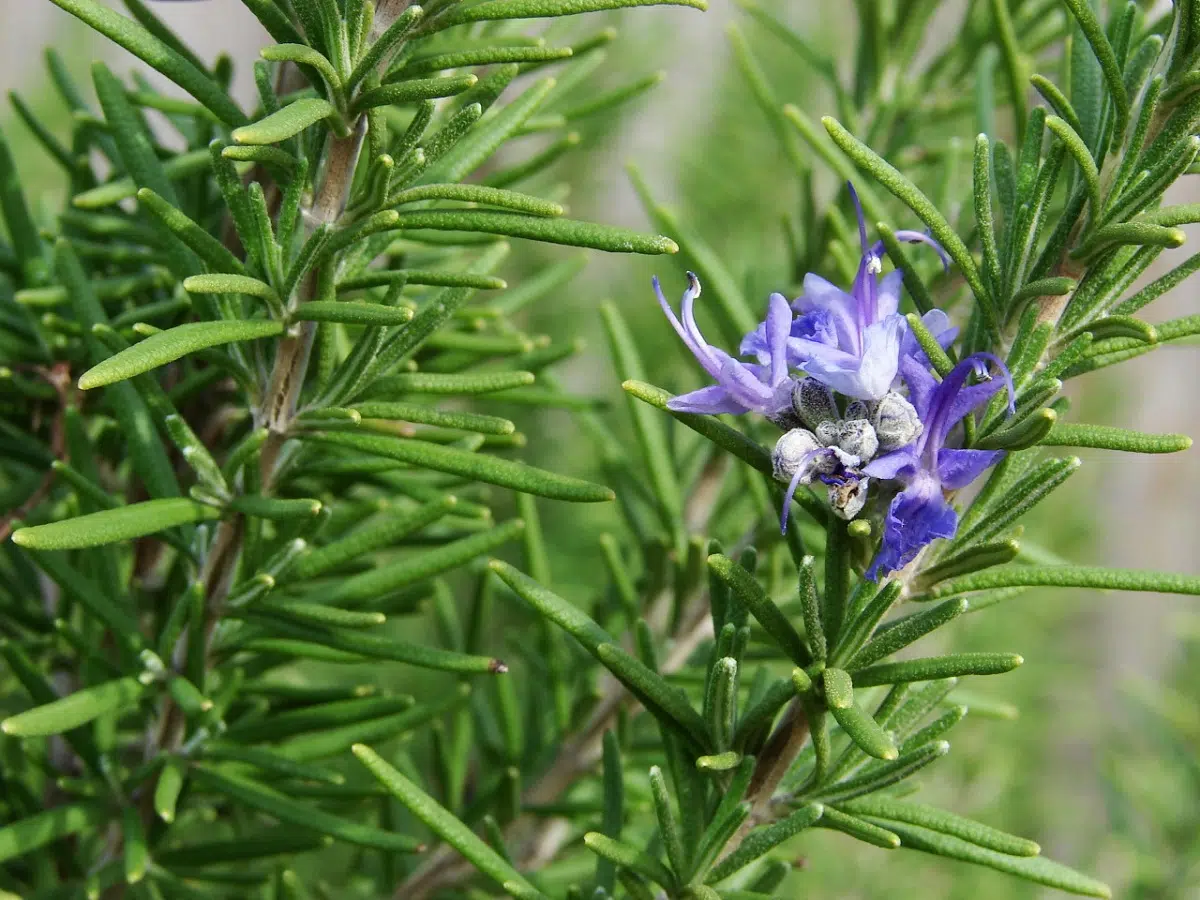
x=740 y=387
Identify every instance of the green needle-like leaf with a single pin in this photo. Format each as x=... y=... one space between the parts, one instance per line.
x=503 y=472
x=939 y=820
x=144 y=45
x=172 y=344
x=534 y=9
x=1031 y=868
x=648 y=424
x=629 y=858
x=1103 y=50
x=444 y=823
x=302 y=815
x=352 y=313
x=538 y=228
x=937 y=667
x=285 y=123
x=746 y=589
x=763 y=840
x=42 y=828
x=110 y=526
x=75 y=709
x=229 y=284
x=1095 y=577
x=1105 y=437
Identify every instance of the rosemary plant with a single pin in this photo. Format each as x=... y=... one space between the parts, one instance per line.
x=260 y=382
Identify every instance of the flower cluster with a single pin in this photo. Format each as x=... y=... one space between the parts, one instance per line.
x=856 y=396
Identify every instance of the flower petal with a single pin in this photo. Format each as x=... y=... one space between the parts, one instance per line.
x=901 y=463
x=778 y=330
x=916 y=517
x=887 y=296
x=958 y=468
x=709 y=401
x=690 y=336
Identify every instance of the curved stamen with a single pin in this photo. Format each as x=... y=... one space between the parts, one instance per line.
x=793 y=485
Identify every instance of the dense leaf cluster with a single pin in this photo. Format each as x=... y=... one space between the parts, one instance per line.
x=258 y=379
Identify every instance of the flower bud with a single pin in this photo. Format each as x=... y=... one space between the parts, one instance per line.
x=813 y=402
x=829 y=433
x=896 y=423
x=857 y=437
x=800 y=449
x=858 y=409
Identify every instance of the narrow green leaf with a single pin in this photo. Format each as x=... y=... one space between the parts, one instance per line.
x=415 y=412
x=1031 y=868
x=349 y=313
x=476 y=193
x=1085 y=16
x=75 y=709
x=668 y=824
x=303 y=815
x=172 y=344
x=763 y=840
x=880 y=776
x=538 y=228
x=134 y=143
x=549 y=605
x=214 y=254
x=630 y=858
x=136 y=855
x=1083 y=158
x=466 y=383
x=110 y=526
x=301 y=55
x=40 y=829
x=385 y=579
x=882 y=807
x=270 y=761
x=385 y=44
x=285 y=123
x=168 y=788
x=669 y=704
x=391 y=528
x=972 y=559
x=492 y=470
x=488 y=136
x=1135 y=234
x=414 y=90
x=904 y=632
x=255 y=845
x=536 y=9
x=858 y=725
x=443 y=823
x=710 y=427
x=648 y=425
x=144 y=45
x=1095 y=577
x=937 y=667
x=375 y=647
x=276 y=509
x=857 y=828
x=747 y=590
x=1105 y=437
x=222 y=283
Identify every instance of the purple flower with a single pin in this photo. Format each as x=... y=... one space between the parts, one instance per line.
x=849 y=341
x=741 y=387
x=920 y=513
